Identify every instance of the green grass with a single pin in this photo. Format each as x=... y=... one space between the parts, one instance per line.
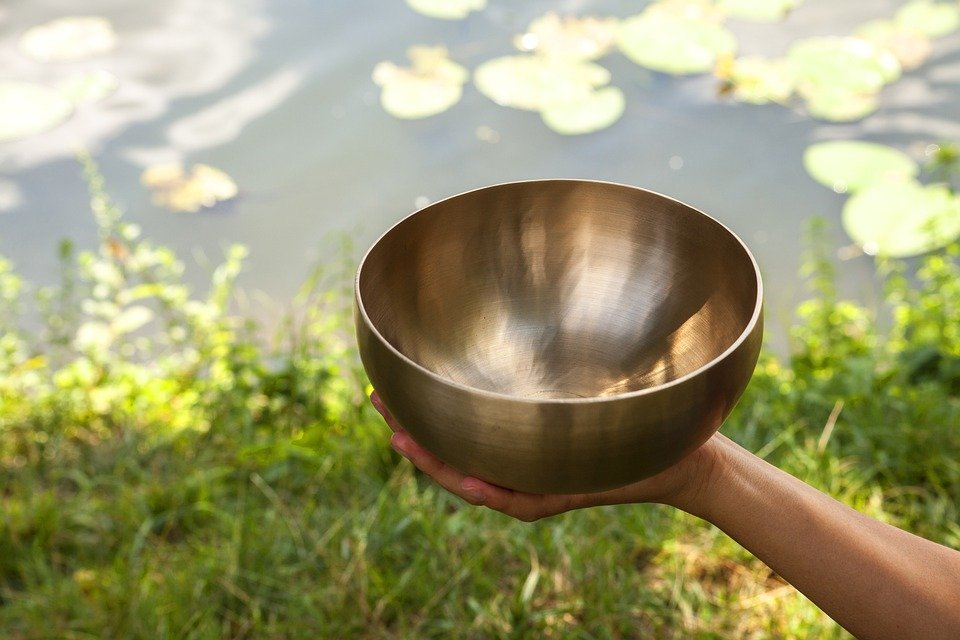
x=186 y=479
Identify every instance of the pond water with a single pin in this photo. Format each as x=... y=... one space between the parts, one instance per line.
x=279 y=95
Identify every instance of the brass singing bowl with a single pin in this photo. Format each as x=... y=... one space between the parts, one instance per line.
x=559 y=336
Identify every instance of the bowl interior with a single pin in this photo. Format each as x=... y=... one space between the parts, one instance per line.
x=559 y=289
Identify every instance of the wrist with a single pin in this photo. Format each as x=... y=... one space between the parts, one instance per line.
x=700 y=474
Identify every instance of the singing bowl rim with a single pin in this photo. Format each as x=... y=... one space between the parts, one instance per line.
x=496 y=395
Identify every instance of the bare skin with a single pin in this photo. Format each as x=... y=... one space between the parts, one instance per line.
x=875 y=580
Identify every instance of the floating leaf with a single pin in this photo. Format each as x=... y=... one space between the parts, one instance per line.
x=931 y=19
x=758 y=10
x=849 y=63
x=162 y=176
x=578 y=38
x=89 y=87
x=447 y=9
x=903 y=219
x=758 y=80
x=27 y=109
x=206 y=187
x=432 y=85
x=910 y=48
x=663 y=42
x=411 y=97
x=592 y=112
x=852 y=165
x=564 y=90
x=840 y=78
x=69 y=38
x=536 y=82
x=837 y=104
x=174 y=188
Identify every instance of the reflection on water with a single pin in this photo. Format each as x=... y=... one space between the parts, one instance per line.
x=280 y=96
x=166 y=51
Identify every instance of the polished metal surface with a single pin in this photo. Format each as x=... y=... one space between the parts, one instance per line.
x=559 y=335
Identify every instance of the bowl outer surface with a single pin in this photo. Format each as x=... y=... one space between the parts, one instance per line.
x=562 y=445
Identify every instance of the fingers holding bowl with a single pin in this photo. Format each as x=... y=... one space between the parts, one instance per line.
x=445 y=475
x=522 y=506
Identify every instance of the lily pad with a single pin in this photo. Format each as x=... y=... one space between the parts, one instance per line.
x=203 y=187
x=432 y=85
x=853 y=64
x=162 y=176
x=758 y=10
x=910 y=48
x=592 y=112
x=664 y=42
x=27 y=109
x=758 y=80
x=853 y=165
x=536 y=82
x=837 y=104
x=903 y=219
x=931 y=19
x=447 y=9
x=69 y=38
x=577 y=38
x=840 y=78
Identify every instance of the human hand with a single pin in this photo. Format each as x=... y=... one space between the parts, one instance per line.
x=680 y=485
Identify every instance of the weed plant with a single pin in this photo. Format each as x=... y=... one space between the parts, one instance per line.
x=166 y=473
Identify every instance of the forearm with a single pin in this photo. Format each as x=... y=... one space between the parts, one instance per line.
x=874 y=579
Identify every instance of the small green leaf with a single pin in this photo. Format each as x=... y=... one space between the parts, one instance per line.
x=536 y=82
x=760 y=81
x=758 y=10
x=432 y=85
x=931 y=19
x=852 y=165
x=910 y=48
x=840 y=105
x=592 y=112
x=840 y=78
x=419 y=97
x=174 y=188
x=672 y=44
x=903 y=219
x=27 y=109
x=447 y=9
x=569 y=37
x=850 y=64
